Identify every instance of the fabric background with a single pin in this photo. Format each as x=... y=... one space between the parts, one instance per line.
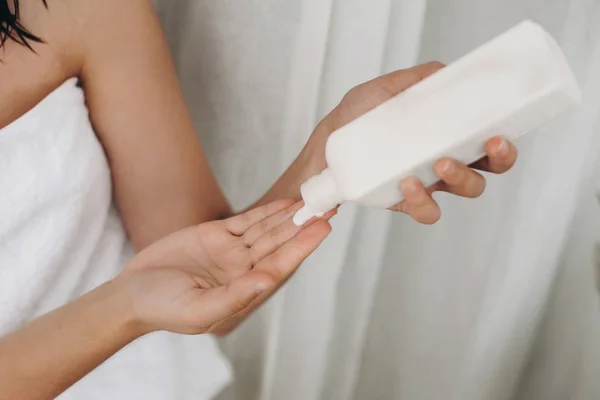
x=497 y=301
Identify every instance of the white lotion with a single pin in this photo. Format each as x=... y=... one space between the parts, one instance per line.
x=510 y=86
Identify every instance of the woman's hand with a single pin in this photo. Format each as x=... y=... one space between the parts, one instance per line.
x=455 y=178
x=202 y=279
x=209 y=277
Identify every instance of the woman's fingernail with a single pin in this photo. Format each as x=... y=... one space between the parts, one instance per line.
x=262 y=287
x=448 y=168
x=409 y=186
x=503 y=148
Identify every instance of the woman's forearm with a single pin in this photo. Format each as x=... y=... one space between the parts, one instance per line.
x=48 y=355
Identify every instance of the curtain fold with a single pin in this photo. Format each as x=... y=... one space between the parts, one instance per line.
x=497 y=301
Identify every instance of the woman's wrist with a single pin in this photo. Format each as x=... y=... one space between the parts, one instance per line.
x=309 y=162
x=115 y=300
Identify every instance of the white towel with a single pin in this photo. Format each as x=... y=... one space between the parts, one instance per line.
x=60 y=236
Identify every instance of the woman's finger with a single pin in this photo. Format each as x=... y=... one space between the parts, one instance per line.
x=241 y=223
x=270 y=241
x=418 y=202
x=286 y=259
x=501 y=155
x=459 y=179
x=268 y=224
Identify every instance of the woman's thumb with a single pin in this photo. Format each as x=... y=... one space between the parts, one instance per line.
x=223 y=302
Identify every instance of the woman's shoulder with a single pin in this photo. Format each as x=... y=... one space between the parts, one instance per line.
x=70 y=31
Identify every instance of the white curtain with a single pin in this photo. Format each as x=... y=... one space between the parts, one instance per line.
x=497 y=301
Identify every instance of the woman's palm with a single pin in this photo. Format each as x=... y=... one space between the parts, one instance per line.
x=256 y=250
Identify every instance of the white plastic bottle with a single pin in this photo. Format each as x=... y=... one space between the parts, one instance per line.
x=510 y=86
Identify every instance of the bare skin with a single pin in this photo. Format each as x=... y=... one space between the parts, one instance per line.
x=163 y=185
x=198 y=280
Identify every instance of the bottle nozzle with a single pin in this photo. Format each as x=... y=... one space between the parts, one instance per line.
x=319 y=194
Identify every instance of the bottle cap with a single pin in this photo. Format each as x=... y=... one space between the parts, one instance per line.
x=320 y=195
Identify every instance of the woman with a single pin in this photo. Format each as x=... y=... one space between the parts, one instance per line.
x=61 y=236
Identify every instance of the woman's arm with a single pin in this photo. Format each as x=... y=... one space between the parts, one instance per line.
x=201 y=279
x=53 y=352
x=161 y=176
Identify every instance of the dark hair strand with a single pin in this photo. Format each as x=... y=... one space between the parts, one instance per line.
x=11 y=28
